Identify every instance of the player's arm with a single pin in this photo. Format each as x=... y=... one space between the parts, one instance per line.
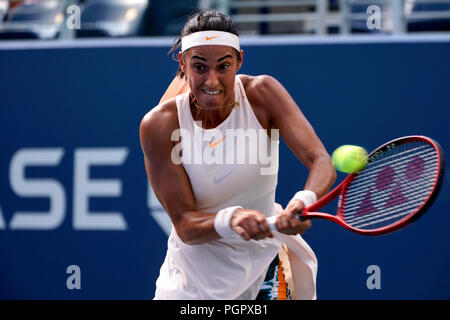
x=176 y=87
x=302 y=140
x=172 y=186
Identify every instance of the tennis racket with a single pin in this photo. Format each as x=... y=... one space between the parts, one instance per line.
x=399 y=183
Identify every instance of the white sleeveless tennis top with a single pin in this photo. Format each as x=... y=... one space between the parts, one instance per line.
x=223 y=171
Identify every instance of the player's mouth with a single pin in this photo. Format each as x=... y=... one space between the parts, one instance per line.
x=211 y=92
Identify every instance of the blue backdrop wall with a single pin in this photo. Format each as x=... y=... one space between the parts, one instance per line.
x=74 y=190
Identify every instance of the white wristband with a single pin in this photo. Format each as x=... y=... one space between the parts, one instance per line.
x=307 y=196
x=222 y=221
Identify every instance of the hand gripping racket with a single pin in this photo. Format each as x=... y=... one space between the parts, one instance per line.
x=400 y=181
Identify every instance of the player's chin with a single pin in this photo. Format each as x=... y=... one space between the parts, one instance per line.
x=212 y=100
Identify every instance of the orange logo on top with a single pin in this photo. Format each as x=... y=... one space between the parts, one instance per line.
x=210 y=38
x=212 y=145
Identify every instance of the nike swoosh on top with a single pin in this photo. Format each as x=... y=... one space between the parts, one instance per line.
x=212 y=145
x=218 y=180
x=209 y=38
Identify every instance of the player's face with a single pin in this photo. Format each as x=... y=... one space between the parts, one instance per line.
x=211 y=71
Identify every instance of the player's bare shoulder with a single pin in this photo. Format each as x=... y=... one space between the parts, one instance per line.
x=158 y=124
x=258 y=87
x=260 y=92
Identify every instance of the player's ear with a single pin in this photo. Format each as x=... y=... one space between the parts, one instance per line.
x=181 y=61
x=241 y=53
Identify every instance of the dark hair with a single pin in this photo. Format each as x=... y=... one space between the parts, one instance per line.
x=204 y=20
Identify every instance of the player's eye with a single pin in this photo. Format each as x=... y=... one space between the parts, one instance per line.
x=198 y=67
x=224 y=66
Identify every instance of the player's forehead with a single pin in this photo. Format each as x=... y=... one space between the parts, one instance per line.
x=211 y=53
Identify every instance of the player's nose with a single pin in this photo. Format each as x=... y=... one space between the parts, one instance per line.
x=212 y=80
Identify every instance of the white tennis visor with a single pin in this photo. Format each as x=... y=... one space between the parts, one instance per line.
x=210 y=38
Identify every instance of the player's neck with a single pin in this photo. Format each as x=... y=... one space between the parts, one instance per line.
x=210 y=118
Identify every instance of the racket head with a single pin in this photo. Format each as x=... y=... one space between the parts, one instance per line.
x=401 y=180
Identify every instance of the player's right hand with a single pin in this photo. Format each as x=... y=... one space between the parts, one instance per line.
x=287 y=221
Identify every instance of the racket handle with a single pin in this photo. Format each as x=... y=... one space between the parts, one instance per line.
x=271 y=221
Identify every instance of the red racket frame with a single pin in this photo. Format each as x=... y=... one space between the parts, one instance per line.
x=339 y=191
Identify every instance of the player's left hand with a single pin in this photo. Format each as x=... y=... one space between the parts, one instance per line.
x=287 y=221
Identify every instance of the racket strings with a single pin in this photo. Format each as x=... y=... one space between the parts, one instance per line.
x=384 y=184
x=397 y=156
x=379 y=200
x=387 y=204
x=392 y=186
x=374 y=168
x=387 y=214
x=369 y=176
x=359 y=186
x=404 y=207
x=394 y=206
x=393 y=215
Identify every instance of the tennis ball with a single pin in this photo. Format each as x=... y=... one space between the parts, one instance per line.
x=349 y=158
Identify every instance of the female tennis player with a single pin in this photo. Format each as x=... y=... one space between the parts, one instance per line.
x=221 y=246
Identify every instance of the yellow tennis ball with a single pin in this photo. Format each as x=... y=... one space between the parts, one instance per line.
x=349 y=158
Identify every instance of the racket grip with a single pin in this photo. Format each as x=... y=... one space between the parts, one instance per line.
x=300 y=217
x=271 y=221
